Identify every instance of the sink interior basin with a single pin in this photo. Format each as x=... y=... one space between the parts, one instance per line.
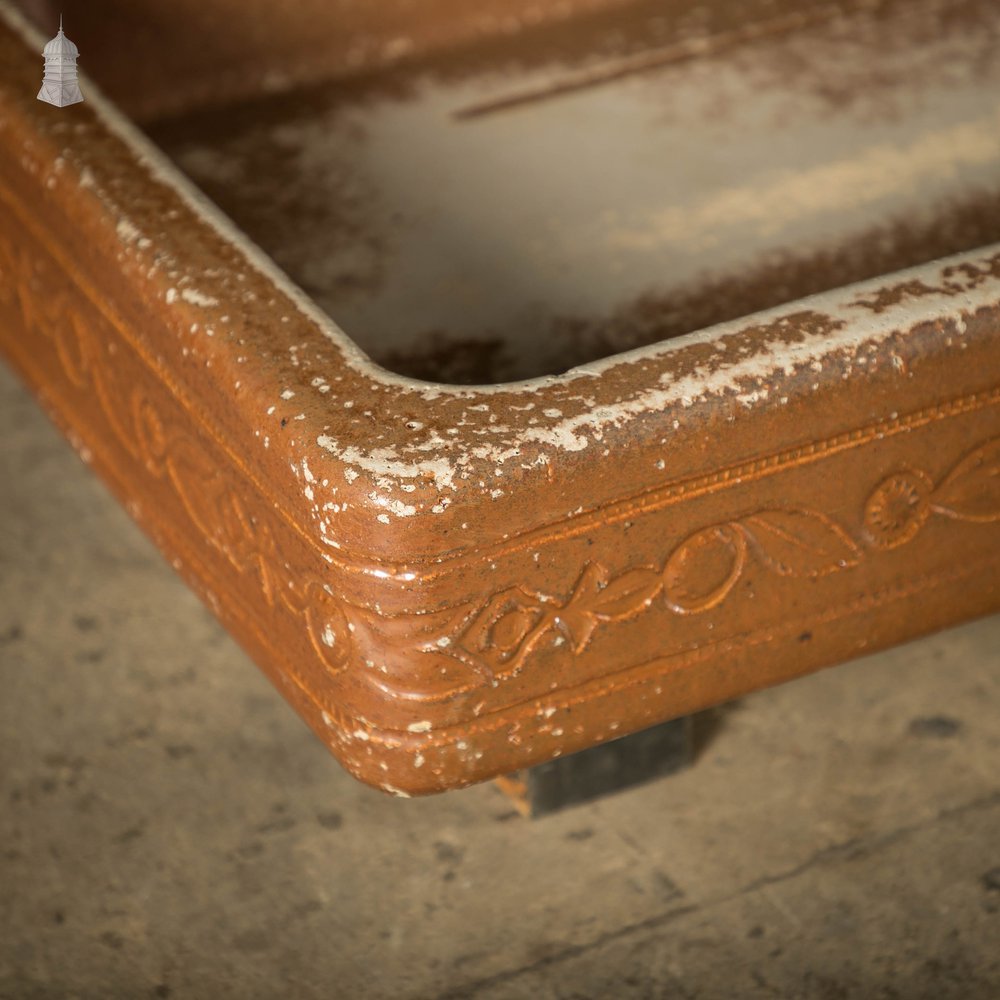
x=528 y=200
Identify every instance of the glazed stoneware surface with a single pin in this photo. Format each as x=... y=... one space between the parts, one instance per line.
x=451 y=582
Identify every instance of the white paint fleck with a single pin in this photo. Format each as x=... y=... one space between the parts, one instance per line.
x=574 y=433
x=397 y=507
x=127 y=232
x=420 y=727
x=196 y=298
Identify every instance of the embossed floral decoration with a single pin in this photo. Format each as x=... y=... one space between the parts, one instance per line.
x=703 y=568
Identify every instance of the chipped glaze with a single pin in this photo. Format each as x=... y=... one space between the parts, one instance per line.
x=451 y=582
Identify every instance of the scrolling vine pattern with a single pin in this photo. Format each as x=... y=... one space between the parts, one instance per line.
x=494 y=636
x=497 y=638
x=245 y=536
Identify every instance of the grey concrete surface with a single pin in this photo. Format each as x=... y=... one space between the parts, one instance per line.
x=168 y=828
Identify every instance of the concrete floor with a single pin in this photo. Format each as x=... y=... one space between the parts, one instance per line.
x=170 y=829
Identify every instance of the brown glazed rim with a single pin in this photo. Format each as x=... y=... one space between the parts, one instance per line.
x=405 y=497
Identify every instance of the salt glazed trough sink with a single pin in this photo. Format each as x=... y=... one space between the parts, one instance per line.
x=510 y=377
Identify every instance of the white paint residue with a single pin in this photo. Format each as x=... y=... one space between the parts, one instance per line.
x=419 y=727
x=443 y=463
x=196 y=298
x=385 y=462
x=287 y=394
x=127 y=232
x=398 y=792
x=397 y=507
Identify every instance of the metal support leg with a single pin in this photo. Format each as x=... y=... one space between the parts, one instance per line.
x=602 y=770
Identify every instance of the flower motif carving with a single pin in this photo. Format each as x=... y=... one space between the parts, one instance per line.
x=897 y=509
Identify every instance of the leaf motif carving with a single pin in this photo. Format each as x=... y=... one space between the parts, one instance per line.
x=704 y=568
x=800 y=542
x=70 y=339
x=496 y=638
x=150 y=432
x=83 y=342
x=576 y=619
x=200 y=490
x=627 y=595
x=971 y=491
x=328 y=631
